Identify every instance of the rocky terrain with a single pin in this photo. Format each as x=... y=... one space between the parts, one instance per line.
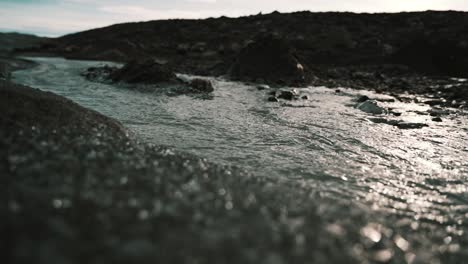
x=12 y=41
x=384 y=52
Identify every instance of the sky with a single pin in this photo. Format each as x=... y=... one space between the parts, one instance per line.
x=59 y=17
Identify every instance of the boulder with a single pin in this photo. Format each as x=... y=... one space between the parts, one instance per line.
x=201 y=85
x=286 y=95
x=144 y=72
x=271 y=59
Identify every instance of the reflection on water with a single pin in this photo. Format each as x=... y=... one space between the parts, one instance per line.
x=418 y=175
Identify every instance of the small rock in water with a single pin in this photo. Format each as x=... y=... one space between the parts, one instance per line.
x=263 y=87
x=272 y=93
x=434 y=102
x=406 y=125
x=438 y=112
x=371 y=107
x=386 y=100
x=437 y=119
x=286 y=95
x=273 y=99
x=305 y=97
x=201 y=85
x=363 y=99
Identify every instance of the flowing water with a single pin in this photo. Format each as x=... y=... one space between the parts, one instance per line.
x=324 y=142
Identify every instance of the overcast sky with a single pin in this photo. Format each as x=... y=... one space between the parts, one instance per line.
x=58 y=17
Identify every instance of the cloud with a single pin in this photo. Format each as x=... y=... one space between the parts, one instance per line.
x=202 y=1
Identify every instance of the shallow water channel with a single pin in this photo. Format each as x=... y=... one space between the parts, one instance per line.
x=324 y=142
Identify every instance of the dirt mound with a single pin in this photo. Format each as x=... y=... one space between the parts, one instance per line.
x=269 y=59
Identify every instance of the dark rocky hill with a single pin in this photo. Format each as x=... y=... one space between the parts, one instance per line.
x=431 y=42
x=11 y=41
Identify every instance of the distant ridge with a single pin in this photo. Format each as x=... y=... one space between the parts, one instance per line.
x=435 y=42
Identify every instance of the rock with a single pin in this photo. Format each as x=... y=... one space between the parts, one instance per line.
x=386 y=100
x=385 y=121
x=362 y=99
x=273 y=99
x=145 y=72
x=99 y=74
x=407 y=125
x=201 y=85
x=305 y=97
x=435 y=102
x=286 y=95
x=337 y=91
x=398 y=123
x=263 y=87
x=437 y=119
x=271 y=59
x=272 y=93
x=371 y=107
x=438 y=112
